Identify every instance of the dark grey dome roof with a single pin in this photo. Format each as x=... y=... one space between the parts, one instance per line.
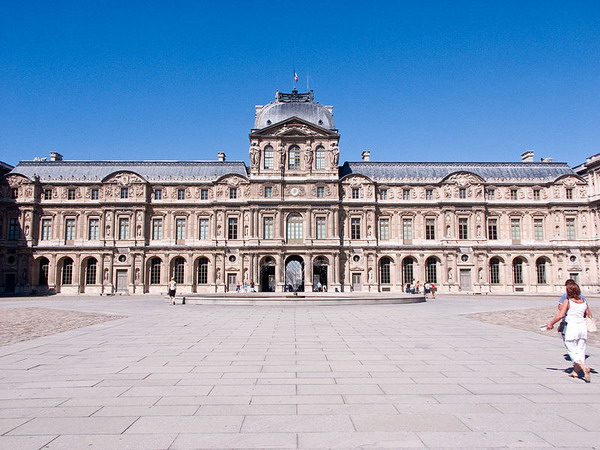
x=295 y=104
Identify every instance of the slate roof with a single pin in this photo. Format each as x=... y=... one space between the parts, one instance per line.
x=153 y=171
x=4 y=168
x=294 y=105
x=434 y=172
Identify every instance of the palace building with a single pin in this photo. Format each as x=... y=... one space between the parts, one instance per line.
x=295 y=217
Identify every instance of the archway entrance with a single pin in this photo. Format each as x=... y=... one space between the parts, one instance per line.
x=320 y=265
x=267 y=275
x=294 y=274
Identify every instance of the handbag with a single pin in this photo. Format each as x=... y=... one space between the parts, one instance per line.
x=562 y=326
x=591 y=325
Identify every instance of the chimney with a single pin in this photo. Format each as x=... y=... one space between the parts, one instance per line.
x=55 y=156
x=366 y=155
x=221 y=156
x=527 y=156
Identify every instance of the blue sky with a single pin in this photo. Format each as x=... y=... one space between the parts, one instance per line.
x=410 y=81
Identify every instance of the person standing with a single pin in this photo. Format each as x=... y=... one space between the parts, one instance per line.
x=575 y=309
x=172 y=288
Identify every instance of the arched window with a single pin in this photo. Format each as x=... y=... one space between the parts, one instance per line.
x=518 y=271
x=203 y=271
x=269 y=158
x=320 y=158
x=408 y=271
x=90 y=271
x=540 y=266
x=494 y=271
x=294 y=158
x=385 y=273
x=431 y=270
x=294 y=228
x=67 y=271
x=43 y=272
x=155 y=264
x=179 y=270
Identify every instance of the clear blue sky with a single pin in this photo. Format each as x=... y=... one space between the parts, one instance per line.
x=411 y=81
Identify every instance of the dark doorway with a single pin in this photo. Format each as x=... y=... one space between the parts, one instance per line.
x=320 y=273
x=9 y=283
x=294 y=274
x=267 y=275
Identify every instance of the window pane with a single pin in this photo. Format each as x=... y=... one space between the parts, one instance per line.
x=320 y=231
x=320 y=158
x=203 y=229
x=384 y=229
x=180 y=231
x=157 y=229
x=232 y=229
x=268 y=227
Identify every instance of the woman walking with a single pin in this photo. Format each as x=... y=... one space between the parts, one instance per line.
x=575 y=309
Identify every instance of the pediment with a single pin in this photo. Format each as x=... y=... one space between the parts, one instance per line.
x=124 y=178
x=233 y=180
x=16 y=180
x=463 y=178
x=295 y=127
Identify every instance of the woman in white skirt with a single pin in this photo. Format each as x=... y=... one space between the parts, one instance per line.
x=575 y=309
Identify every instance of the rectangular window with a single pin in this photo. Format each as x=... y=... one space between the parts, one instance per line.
x=203 y=194
x=157 y=194
x=355 y=228
x=93 y=229
x=569 y=193
x=405 y=194
x=232 y=229
x=71 y=194
x=355 y=192
x=70 y=230
x=320 y=192
x=428 y=194
x=268 y=227
x=570 y=225
x=46 y=229
x=180 y=194
x=384 y=229
x=320 y=159
x=180 y=231
x=513 y=194
x=320 y=232
x=430 y=229
x=407 y=232
x=294 y=158
x=157 y=229
x=232 y=193
x=47 y=194
x=493 y=229
x=14 y=231
x=383 y=194
x=491 y=194
x=268 y=192
x=538 y=229
x=123 y=228
x=462 y=193
x=463 y=228
x=536 y=194
x=95 y=194
x=124 y=192
x=515 y=229
x=203 y=229
x=268 y=158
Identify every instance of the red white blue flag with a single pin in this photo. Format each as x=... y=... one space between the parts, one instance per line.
x=295 y=76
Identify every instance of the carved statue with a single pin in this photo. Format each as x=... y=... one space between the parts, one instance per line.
x=254 y=155
x=281 y=157
x=335 y=154
x=308 y=156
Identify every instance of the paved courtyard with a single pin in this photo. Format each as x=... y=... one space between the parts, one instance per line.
x=397 y=376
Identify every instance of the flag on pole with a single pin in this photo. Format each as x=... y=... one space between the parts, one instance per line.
x=295 y=76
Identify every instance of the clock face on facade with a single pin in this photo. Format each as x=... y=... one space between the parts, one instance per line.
x=294 y=191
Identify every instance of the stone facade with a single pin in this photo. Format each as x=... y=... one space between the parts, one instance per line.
x=294 y=218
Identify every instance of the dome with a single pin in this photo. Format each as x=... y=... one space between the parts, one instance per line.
x=295 y=104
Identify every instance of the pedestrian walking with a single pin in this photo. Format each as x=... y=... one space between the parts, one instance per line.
x=575 y=309
x=172 y=289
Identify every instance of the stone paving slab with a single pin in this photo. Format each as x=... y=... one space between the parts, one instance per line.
x=385 y=376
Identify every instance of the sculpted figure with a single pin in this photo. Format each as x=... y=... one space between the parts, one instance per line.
x=254 y=155
x=335 y=154
x=308 y=157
